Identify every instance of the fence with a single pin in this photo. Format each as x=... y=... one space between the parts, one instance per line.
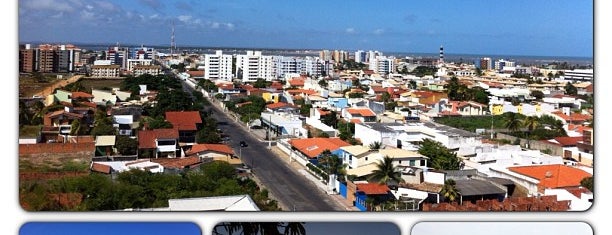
x=535 y=144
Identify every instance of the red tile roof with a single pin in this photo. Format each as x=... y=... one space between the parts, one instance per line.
x=178 y=163
x=373 y=188
x=573 y=117
x=568 y=141
x=97 y=167
x=277 y=105
x=146 y=138
x=553 y=176
x=296 y=82
x=198 y=73
x=323 y=112
x=79 y=94
x=355 y=120
x=299 y=91
x=364 y=112
x=184 y=120
x=219 y=148
x=312 y=147
x=368 y=72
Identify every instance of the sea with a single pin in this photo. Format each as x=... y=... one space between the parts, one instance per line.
x=457 y=58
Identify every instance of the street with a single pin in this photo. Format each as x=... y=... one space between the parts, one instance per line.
x=285 y=185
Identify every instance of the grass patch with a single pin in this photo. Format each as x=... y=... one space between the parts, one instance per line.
x=28 y=131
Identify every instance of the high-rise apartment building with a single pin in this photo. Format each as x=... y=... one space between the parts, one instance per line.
x=49 y=58
x=218 y=66
x=254 y=65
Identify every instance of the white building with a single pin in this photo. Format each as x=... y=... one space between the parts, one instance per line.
x=578 y=75
x=131 y=63
x=485 y=156
x=382 y=65
x=218 y=66
x=254 y=65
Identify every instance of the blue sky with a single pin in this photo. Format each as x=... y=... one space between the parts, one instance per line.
x=105 y=228
x=520 y=27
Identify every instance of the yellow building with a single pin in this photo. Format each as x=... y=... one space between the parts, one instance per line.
x=269 y=96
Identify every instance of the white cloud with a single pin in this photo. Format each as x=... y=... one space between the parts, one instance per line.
x=48 y=5
x=185 y=18
x=379 y=31
x=215 y=25
x=229 y=26
x=350 y=30
x=87 y=15
x=105 y=5
x=89 y=7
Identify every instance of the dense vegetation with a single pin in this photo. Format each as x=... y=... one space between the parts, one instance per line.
x=142 y=189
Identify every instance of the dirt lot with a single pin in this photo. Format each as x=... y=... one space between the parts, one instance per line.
x=30 y=86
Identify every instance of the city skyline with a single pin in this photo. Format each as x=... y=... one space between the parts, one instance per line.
x=465 y=27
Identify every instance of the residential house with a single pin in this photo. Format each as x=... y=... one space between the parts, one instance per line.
x=211 y=152
x=466 y=108
x=311 y=148
x=178 y=165
x=537 y=179
x=111 y=167
x=358 y=115
x=362 y=161
x=159 y=143
x=337 y=103
x=485 y=157
x=105 y=145
x=281 y=124
x=103 y=97
x=187 y=123
x=377 y=193
x=282 y=107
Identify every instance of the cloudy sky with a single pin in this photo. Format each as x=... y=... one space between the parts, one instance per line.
x=520 y=27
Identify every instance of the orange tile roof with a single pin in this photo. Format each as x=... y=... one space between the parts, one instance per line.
x=364 y=112
x=179 y=163
x=324 y=112
x=79 y=94
x=146 y=138
x=573 y=116
x=97 y=167
x=568 y=141
x=307 y=92
x=312 y=147
x=368 y=71
x=355 y=120
x=184 y=120
x=276 y=105
x=373 y=188
x=296 y=82
x=198 y=73
x=243 y=104
x=553 y=176
x=220 y=148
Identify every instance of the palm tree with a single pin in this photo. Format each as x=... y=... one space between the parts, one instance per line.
x=375 y=145
x=531 y=122
x=512 y=121
x=332 y=164
x=386 y=172
x=449 y=191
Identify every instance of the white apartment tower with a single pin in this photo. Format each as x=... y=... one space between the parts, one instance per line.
x=253 y=65
x=218 y=66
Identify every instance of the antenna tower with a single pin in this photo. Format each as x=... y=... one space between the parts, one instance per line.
x=172 y=43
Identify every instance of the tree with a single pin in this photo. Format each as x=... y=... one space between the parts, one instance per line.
x=385 y=97
x=512 y=121
x=439 y=156
x=332 y=164
x=260 y=83
x=323 y=83
x=330 y=119
x=449 y=191
x=375 y=145
x=386 y=172
x=570 y=89
x=531 y=123
x=126 y=145
x=537 y=94
x=587 y=183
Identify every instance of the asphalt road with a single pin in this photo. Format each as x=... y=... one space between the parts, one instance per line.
x=286 y=186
